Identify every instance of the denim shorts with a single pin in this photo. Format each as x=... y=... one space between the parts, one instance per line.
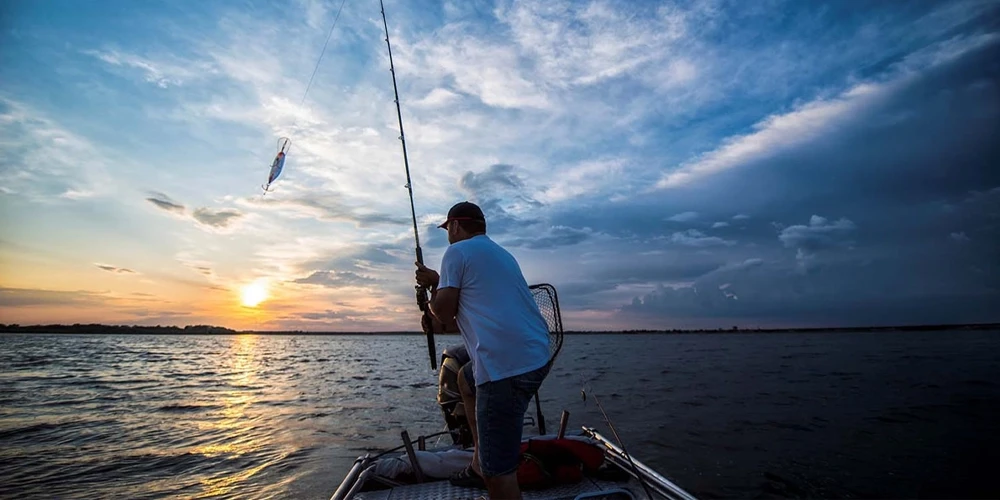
x=500 y=408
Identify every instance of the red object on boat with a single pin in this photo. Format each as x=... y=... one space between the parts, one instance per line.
x=547 y=462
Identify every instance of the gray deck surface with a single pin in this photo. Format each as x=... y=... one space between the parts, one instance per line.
x=441 y=490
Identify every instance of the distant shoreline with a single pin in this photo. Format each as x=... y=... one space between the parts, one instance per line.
x=218 y=330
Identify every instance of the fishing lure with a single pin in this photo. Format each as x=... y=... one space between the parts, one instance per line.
x=284 y=144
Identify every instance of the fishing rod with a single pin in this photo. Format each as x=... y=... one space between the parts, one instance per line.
x=421 y=291
x=628 y=456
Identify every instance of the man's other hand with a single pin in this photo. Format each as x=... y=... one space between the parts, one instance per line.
x=426 y=276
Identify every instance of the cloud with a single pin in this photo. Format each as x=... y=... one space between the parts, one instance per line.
x=554 y=117
x=500 y=193
x=497 y=176
x=695 y=238
x=554 y=237
x=490 y=72
x=325 y=208
x=778 y=133
x=819 y=234
x=816 y=119
x=45 y=162
x=212 y=219
x=219 y=218
x=438 y=97
x=114 y=269
x=160 y=73
x=22 y=297
x=73 y=194
x=317 y=316
x=584 y=44
x=585 y=178
x=959 y=236
x=164 y=202
x=336 y=279
x=684 y=217
x=764 y=293
x=653 y=268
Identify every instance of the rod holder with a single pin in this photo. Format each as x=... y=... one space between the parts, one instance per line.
x=563 y=421
x=417 y=471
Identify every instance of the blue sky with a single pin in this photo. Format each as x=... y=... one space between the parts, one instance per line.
x=663 y=164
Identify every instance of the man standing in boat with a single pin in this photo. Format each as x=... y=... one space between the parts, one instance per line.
x=481 y=287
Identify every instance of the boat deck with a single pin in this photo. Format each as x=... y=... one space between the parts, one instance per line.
x=588 y=488
x=620 y=478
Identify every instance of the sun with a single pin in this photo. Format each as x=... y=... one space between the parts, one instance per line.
x=253 y=294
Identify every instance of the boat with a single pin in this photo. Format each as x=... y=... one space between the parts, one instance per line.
x=579 y=464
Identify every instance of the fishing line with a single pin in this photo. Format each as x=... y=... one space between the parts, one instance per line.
x=322 y=52
x=284 y=143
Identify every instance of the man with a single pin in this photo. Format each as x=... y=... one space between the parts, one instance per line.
x=481 y=287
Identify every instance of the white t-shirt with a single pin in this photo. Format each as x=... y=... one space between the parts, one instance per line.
x=501 y=325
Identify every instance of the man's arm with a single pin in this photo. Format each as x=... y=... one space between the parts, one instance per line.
x=444 y=304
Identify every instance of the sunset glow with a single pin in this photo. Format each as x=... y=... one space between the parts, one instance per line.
x=625 y=152
x=253 y=294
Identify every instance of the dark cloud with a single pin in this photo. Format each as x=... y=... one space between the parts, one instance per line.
x=164 y=202
x=16 y=297
x=499 y=192
x=495 y=177
x=879 y=292
x=155 y=314
x=653 y=267
x=696 y=238
x=819 y=235
x=219 y=218
x=574 y=290
x=891 y=217
x=336 y=279
x=116 y=270
x=317 y=316
x=558 y=236
x=213 y=217
x=932 y=137
x=684 y=217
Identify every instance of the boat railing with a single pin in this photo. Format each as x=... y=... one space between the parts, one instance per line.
x=351 y=482
x=663 y=486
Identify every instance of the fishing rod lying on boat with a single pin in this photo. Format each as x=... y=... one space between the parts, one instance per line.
x=421 y=291
x=618 y=438
x=648 y=478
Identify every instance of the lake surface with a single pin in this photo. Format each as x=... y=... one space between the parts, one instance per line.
x=859 y=415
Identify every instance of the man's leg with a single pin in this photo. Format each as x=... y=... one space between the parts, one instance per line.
x=468 y=391
x=503 y=487
x=500 y=415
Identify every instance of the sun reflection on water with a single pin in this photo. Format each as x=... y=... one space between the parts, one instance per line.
x=235 y=426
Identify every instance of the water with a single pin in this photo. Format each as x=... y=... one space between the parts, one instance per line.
x=857 y=415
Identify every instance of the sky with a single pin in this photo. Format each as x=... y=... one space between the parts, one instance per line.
x=692 y=164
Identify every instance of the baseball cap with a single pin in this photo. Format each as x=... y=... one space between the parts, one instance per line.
x=465 y=210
